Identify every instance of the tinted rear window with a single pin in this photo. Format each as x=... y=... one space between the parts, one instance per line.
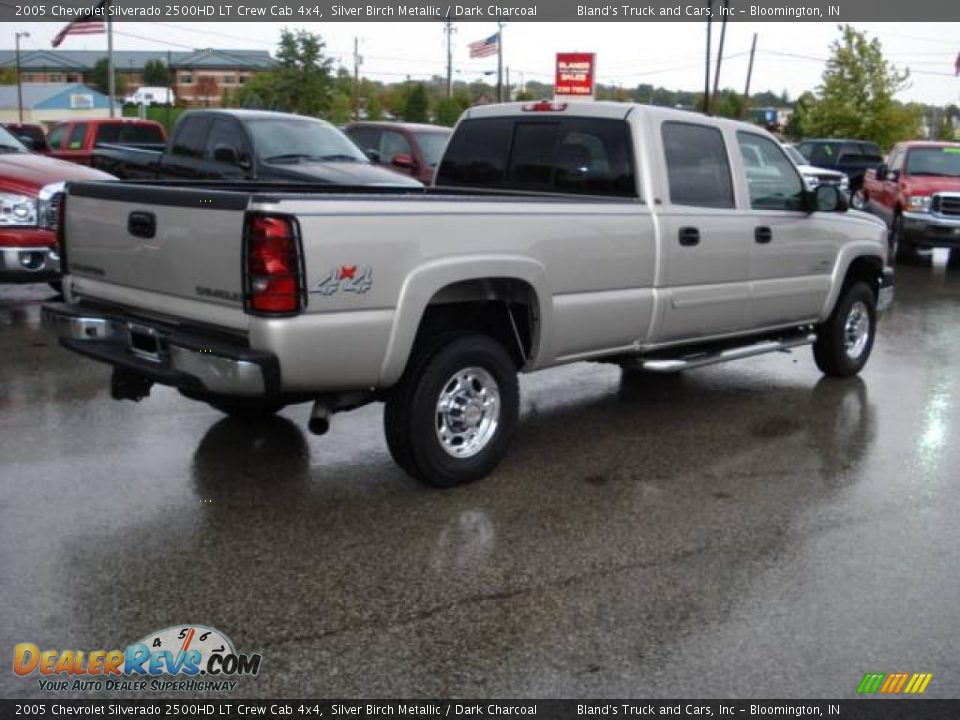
x=129 y=133
x=588 y=156
x=698 y=169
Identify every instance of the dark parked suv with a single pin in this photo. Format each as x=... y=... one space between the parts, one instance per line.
x=851 y=157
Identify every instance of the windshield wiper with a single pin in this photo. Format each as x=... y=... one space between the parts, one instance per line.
x=291 y=157
x=335 y=157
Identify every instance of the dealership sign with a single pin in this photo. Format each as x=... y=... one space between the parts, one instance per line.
x=575 y=74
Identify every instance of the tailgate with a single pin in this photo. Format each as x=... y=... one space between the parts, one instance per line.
x=174 y=250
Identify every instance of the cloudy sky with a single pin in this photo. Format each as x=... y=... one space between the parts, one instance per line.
x=789 y=55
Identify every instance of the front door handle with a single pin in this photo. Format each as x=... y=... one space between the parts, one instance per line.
x=689 y=236
x=763 y=235
x=142 y=224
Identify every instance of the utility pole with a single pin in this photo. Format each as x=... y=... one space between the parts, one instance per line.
x=499 y=62
x=111 y=74
x=746 y=92
x=706 y=69
x=723 y=34
x=508 y=94
x=448 y=29
x=19 y=84
x=356 y=78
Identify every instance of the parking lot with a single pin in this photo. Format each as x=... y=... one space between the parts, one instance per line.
x=748 y=530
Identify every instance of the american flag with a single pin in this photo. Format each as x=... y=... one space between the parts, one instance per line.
x=485 y=47
x=84 y=25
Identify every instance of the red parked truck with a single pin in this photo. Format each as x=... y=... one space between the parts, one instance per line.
x=29 y=188
x=917 y=192
x=75 y=140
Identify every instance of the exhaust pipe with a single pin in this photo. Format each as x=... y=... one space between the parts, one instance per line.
x=319 y=422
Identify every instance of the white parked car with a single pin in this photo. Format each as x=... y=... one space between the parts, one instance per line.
x=151 y=96
x=814 y=176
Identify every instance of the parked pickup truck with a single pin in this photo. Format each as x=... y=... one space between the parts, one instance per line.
x=917 y=193
x=851 y=157
x=78 y=140
x=30 y=189
x=555 y=233
x=250 y=145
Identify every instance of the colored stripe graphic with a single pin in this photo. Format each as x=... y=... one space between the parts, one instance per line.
x=894 y=683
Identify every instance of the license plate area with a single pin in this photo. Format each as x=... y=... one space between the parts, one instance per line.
x=145 y=342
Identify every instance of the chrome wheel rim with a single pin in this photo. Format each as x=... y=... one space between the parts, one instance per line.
x=468 y=412
x=856 y=330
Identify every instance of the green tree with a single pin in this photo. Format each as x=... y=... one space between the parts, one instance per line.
x=416 y=105
x=727 y=103
x=301 y=83
x=99 y=78
x=449 y=109
x=374 y=106
x=8 y=76
x=944 y=129
x=341 y=108
x=856 y=94
x=156 y=74
x=801 y=110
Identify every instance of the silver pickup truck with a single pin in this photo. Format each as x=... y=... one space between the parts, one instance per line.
x=555 y=233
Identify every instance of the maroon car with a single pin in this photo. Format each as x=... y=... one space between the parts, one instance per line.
x=411 y=148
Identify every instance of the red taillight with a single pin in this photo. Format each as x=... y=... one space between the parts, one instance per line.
x=545 y=106
x=273 y=265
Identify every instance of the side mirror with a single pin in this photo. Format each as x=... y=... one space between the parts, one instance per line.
x=226 y=154
x=372 y=155
x=828 y=198
x=27 y=142
x=403 y=161
x=882 y=171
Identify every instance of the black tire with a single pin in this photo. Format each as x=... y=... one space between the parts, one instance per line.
x=899 y=250
x=246 y=412
x=412 y=422
x=838 y=350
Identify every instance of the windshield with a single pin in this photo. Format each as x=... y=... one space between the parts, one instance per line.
x=432 y=145
x=942 y=161
x=795 y=155
x=295 y=139
x=9 y=143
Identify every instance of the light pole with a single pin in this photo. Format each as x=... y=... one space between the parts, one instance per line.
x=19 y=85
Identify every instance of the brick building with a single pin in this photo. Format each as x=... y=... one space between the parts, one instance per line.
x=200 y=76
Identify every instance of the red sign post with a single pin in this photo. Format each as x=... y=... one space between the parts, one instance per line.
x=575 y=75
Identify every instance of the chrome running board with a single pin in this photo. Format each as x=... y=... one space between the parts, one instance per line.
x=704 y=358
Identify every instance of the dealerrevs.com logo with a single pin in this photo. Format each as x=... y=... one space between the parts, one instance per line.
x=182 y=657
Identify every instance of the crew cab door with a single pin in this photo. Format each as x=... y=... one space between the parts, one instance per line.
x=792 y=252
x=705 y=254
x=889 y=186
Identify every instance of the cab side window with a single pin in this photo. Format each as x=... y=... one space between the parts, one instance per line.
x=698 y=169
x=772 y=179
x=227 y=133
x=191 y=137
x=368 y=140
x=55 y=138
x=77 y=135
x=896 y=159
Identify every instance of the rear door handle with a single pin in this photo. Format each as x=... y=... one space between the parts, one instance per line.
x=142 y=224
x=763 y=235
x=689 y=236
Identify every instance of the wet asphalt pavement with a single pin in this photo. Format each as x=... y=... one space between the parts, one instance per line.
x=744 y=530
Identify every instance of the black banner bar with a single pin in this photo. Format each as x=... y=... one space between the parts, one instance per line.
x=886 y=709
x=296 y=11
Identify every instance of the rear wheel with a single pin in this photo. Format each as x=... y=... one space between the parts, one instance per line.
x=845 y=340
x=450 y=419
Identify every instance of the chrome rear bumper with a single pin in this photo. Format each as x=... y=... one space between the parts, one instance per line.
x=165 y=355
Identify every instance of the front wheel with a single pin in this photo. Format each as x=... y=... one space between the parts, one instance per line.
x=451 y=417
x=845 y=340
